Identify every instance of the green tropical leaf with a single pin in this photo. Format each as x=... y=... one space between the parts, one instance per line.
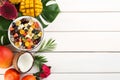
x=4 y=38
x=39 y=61
x=49 y=13
x=47 y=46
x=4 y=23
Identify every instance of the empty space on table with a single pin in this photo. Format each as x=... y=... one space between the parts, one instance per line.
x=84 y=77
x=85 y=41
x=89 y=5
x=80 y=77
x=86 y=22
x=83 y=63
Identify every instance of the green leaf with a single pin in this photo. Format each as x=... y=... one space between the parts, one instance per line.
x=19 y=14
x=4 y=23
x=49 y=12
x=39 y=19
x=47 y=46
x=39 y=60
x=37 y=75
x=4 y=38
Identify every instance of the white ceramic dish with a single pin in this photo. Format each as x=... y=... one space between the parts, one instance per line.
x=34 y=19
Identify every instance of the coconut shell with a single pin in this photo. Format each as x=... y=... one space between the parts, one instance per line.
x=15 y=61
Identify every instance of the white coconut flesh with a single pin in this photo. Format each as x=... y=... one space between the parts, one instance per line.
x=25 y=62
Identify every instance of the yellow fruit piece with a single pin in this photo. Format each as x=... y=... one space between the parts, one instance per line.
x=33 y=26
x=22 y=3
x=40 y=34
x=31 y=7
x=27 y=44
x=22 y=8
x=27 y=6
x=27 y=1
x=15 y=1
x=17 y=44
x=25 y=25
x=23 y=11
x=18 y=23
x=22 y=32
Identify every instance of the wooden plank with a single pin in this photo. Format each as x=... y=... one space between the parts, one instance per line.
x=86 y=22
x=80 y=77
x=89 y=5
x=81 y=63
x=84 y=77
x=85 y=41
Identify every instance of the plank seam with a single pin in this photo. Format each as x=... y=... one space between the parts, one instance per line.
x=77 y=52
x=90 y=11
x=85 y=72
x=81 y=73
x=83 y=31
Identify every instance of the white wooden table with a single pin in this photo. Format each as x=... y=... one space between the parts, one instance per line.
x=87 y=33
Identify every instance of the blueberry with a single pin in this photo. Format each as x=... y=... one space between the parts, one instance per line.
x=35 y=31
x=39 y=39
x=16 y=39
x=23 y=44
x=28 y=26
x=13 y=25
x=23 y=28
x=35 y=41
x=24 y=20
x=12 y=32
x=33 y=46
x=26 y=30
x=16 y=30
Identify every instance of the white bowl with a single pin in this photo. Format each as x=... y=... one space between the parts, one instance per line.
x=34 y=19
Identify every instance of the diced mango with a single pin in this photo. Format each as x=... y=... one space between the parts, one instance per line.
x=31 y=7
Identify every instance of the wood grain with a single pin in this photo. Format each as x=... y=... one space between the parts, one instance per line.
x=80 y=77
x=85 y=41
x=86 y=22
x=81 y=63
x=87 y=33
x=84 y=77
x=89 y=5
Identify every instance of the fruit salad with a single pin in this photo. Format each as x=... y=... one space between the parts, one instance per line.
x=25 y=33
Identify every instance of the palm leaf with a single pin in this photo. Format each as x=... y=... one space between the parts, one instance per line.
x=39 y=60
x=47 y=46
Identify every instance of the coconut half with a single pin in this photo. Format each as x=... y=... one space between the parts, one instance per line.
x=23 y=62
